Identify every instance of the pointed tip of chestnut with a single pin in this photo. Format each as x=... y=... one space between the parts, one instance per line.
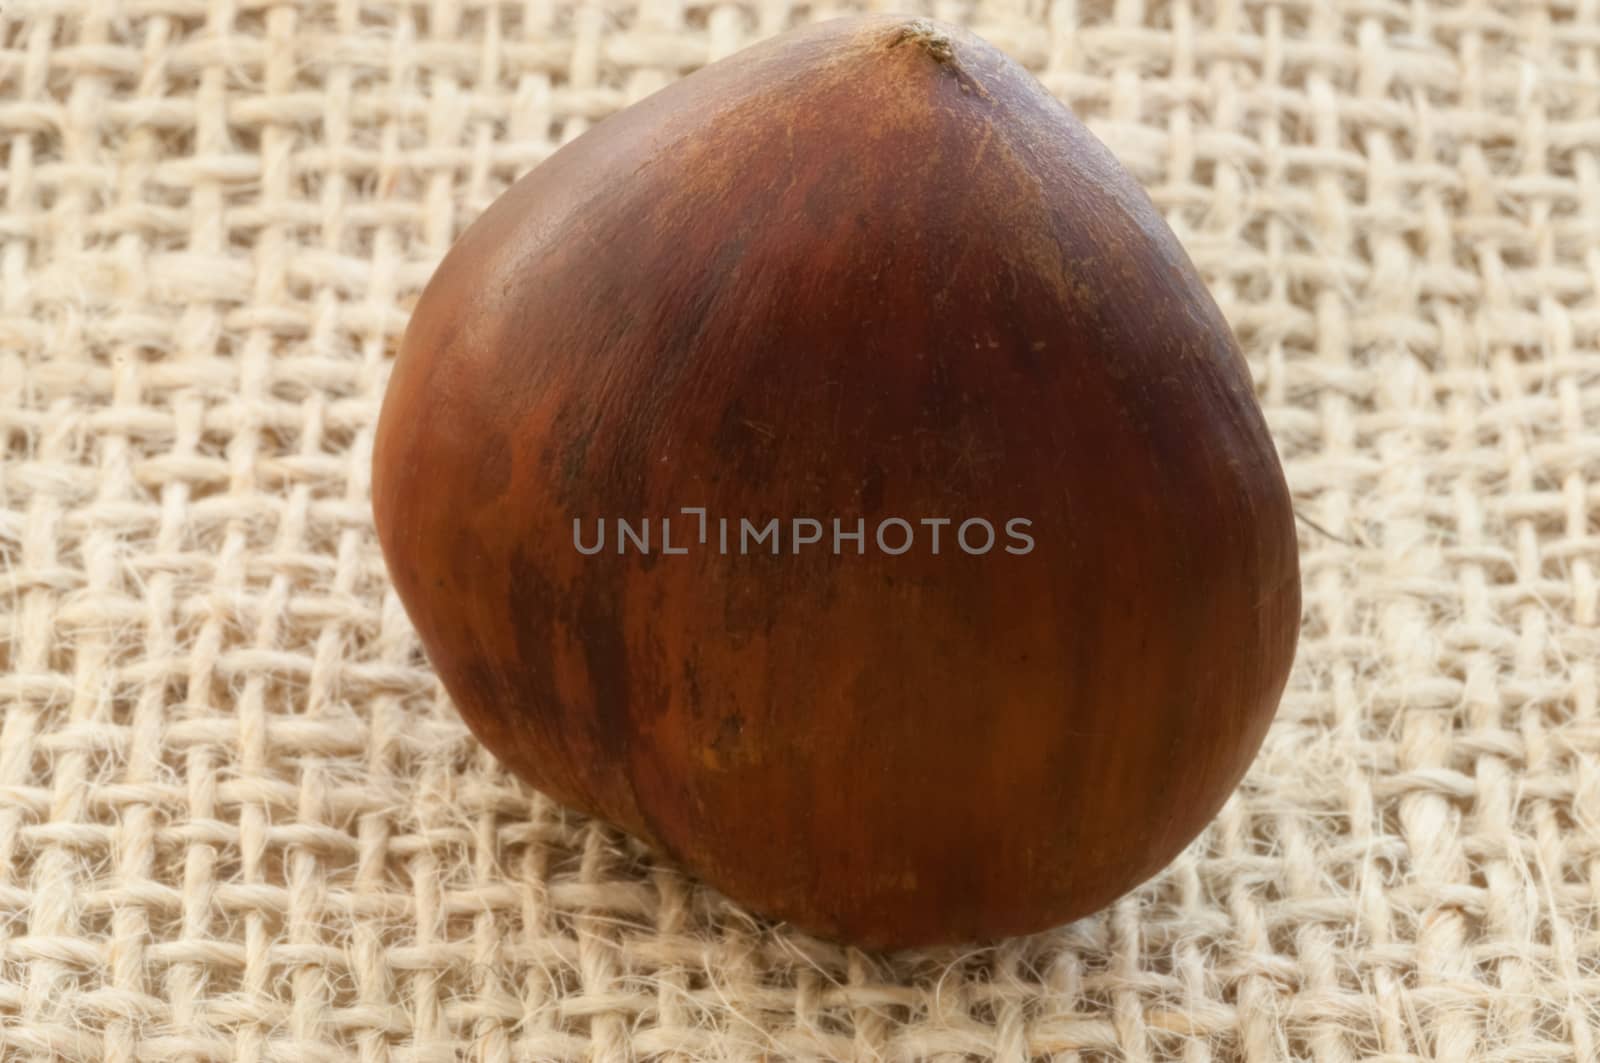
x=1035 y=594
x=927 y=35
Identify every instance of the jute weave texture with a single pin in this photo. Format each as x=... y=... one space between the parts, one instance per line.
x=238 y=818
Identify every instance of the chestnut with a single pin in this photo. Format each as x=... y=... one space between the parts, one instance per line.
x=832 y=470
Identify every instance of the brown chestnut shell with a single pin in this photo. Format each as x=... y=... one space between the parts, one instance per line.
x=869 y=269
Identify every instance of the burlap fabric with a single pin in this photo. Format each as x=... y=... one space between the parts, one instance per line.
x=238 y=820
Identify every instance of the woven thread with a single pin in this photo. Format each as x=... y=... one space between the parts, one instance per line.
x=239 y=820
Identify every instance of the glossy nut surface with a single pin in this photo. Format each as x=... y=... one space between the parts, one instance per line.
x=869 y=269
